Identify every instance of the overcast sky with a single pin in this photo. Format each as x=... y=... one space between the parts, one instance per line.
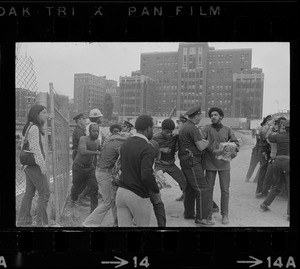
x=58 y=62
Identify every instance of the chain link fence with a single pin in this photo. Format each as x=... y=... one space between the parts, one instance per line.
x=58 y=159
x=26 y=96
x=60 y=156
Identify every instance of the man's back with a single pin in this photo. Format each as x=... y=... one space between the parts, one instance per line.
x=137 y=157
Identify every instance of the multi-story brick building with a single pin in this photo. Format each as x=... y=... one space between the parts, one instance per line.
x=199 y=75
x=89 y=91
x=136 y=95
x=113 y=89
x=162 y=67
x=248 y=94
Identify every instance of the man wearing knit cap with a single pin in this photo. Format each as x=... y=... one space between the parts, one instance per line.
x=217 y=133
x=191 y=145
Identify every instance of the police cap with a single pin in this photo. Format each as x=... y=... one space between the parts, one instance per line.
x=127 y=123
x=265 y=120
x=78 y=116
x=193 y=111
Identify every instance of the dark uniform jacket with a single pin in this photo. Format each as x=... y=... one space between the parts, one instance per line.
x=189 y=134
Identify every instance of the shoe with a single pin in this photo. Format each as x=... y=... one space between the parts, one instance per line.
x=260 y=195
x=264 y=207
x=225 y=219
x=180 y=198
x=190 y=217
x=215 y=210
x=205 y=222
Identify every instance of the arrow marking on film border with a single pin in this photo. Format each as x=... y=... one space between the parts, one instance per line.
x=255 y=262
x=119 y=263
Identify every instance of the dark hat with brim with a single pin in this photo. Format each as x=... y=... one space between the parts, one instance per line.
x=127 y=123
x=78 y=116
x=265 y=120
x=193 y=111
x=217 y=109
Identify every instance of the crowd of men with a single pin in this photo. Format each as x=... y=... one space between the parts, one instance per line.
x=272 y=153
x=124 y=166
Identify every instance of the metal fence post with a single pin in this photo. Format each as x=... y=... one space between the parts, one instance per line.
x=53 y=143
x=42 y=100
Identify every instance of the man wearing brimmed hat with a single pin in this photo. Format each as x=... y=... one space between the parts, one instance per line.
x=191 y=145
x=95 y=116
x=126 y=126
x=79 y=131
x=217 y=133
x=281 y=164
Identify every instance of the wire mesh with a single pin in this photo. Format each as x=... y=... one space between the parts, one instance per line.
x=26 y=94
x=61 y=161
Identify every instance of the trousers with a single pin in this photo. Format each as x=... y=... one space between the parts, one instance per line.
x=175 y=172
x=158 y=208
x=35 y=180
x=108 y=195
x=224 y=180
x=131 y=207
x=197 y=188
x=280 y=166
x=84 y=176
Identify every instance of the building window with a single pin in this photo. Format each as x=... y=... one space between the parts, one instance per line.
x=199 y=55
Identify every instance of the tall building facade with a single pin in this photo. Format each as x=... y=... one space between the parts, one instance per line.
x=222 y=66
x=89 y=91
x=192 y=76
x=197 y=74
x=113 y=89
x=136 y=95
x=248 y=94
x=162 y=67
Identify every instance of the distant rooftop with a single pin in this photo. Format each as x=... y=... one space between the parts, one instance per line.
x=165 y=52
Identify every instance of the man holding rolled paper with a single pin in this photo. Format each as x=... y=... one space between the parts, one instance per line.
x=223 y=146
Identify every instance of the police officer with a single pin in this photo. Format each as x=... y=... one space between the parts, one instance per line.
x=77 y=133
x=191 y=144
x=126 y=126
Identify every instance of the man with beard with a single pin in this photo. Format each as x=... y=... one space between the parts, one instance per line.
x=217 y=133
x=83 y=167
x=191 y=145
x=137 y=179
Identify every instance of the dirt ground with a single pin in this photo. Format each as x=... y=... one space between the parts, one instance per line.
x=243 y=206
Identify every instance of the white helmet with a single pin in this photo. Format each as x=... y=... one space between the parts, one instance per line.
x=95 y=113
